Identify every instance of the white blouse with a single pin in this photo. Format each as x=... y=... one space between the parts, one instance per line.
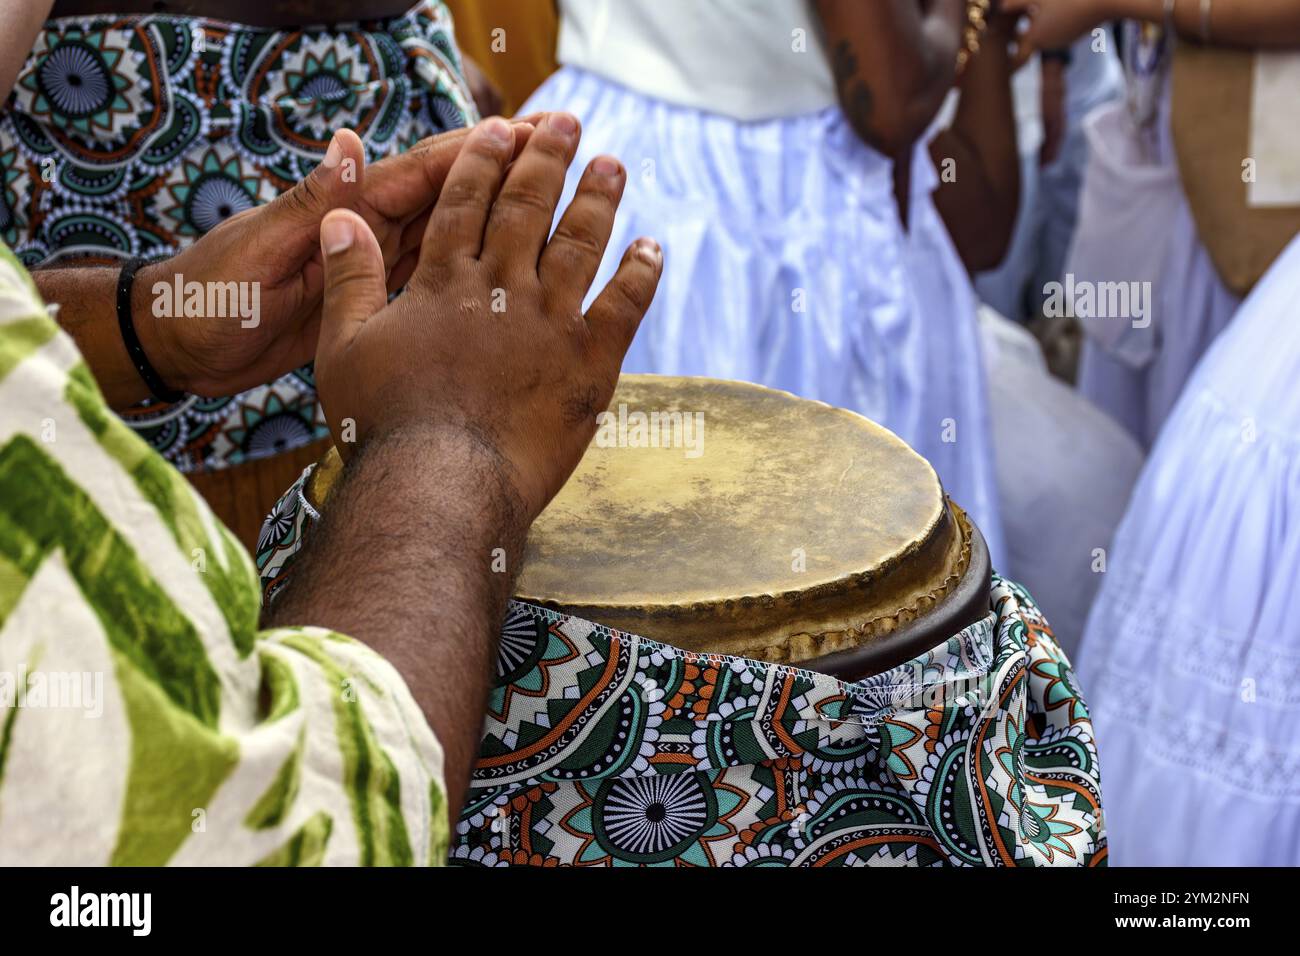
x=747 y=59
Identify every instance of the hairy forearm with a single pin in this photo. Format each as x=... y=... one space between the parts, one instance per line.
x=1248 y=23
x=19 y=22
x=979 y=206
x=406 y=560
x=893 y=63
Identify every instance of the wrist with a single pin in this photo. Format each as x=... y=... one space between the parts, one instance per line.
x=160 y=335
x=457 y=461
x=445 y=484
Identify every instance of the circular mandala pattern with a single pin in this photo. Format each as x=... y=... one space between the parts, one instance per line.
x=214 y=199
x=322 y=86
x=645 y=819
x=277 y=526
x=277 y=434
x=76 y=80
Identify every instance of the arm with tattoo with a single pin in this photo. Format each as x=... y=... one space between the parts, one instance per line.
x=894 y=61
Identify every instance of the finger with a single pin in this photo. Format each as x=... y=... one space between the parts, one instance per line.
x=522 y=216
x=456 y=223
x=288 y=228
x=401 y=187
x=617 y=312
x=1018 y=6
x=574 y=252
x=354 y=279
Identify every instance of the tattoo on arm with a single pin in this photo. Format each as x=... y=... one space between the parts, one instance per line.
x=858 y=102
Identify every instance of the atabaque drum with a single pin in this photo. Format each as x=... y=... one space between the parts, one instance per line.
x=752 y=631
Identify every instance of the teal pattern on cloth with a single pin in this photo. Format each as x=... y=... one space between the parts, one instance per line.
x=144 y=719
x=602 y=748
x=135 y=135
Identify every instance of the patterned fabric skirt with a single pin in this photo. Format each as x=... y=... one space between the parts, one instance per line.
x=1192 y=651
x=133 y=136
x=601 y=748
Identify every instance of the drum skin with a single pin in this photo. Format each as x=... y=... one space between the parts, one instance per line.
x=728 y=518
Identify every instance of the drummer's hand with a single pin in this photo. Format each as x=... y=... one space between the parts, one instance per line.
x=1055 y=24
x=276 y=250
x=488 y=342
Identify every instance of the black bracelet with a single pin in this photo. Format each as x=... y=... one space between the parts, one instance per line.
x=1064 y=56
x=152 y=380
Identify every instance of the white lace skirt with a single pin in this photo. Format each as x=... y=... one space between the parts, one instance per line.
x=1191 y=658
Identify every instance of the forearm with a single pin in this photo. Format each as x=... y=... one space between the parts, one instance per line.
x=87 y=311
x=980 y=205
x=20 y=20
x=406 y=560
x=1248 y=23
x=893 y=64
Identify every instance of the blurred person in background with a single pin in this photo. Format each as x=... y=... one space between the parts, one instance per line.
x=1135 y=223
x=1054 y=91
x=761 y=138
x=1064 y=469
x=1191 y=655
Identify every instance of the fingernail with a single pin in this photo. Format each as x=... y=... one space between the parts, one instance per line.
x=563 y=123
x=650 y=252
x=606 y=166
x=333 y=155
x=336 y=235
x=497 y=130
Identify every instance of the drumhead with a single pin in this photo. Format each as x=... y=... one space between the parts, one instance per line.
x=729 y=518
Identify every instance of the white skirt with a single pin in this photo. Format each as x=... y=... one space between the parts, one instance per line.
x=785 y=264
x=1191 y=658
x=1065 y=474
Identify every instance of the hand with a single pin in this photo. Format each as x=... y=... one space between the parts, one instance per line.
x=275 y=250
x=489 y=339
x=1055 y=24
x=1052 y=97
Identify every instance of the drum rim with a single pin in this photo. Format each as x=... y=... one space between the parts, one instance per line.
x=965 y=603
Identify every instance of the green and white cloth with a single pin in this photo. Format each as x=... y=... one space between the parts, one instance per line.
x=144 y=719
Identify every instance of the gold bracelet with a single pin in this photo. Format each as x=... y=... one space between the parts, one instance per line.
x=977 y=22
